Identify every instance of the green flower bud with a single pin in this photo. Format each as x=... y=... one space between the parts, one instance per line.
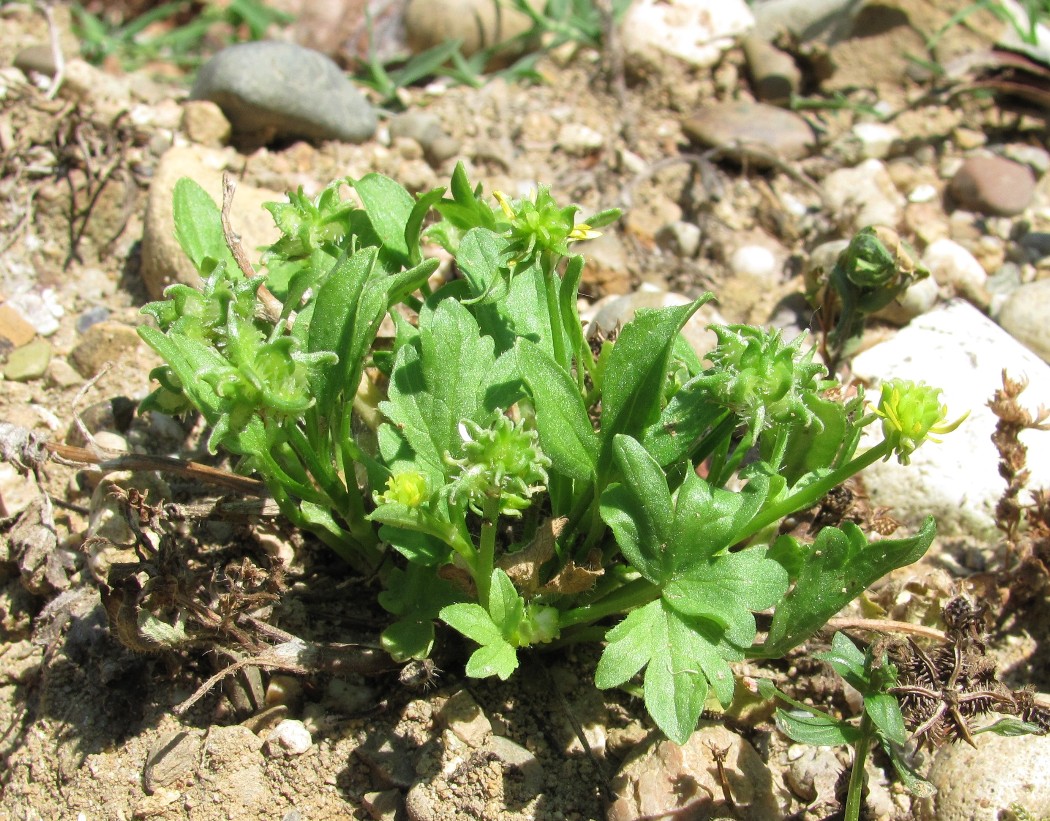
x=760 y=378
x=502 y=460
x=878 y=266
x=910 y=413
x=307 y=225
x=539 y=625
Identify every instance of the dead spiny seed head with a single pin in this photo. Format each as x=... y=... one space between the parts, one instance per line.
x=963 y=616
x=941 y=691
x=420 y=675
x=1031 y=711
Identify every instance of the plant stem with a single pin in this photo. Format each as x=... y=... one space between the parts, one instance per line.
x=857 y=778
x=550 y=288
x=487 y=553
x=811 y=494
x=633 y=594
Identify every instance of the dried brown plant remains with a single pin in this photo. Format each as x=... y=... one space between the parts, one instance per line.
x=942 y=691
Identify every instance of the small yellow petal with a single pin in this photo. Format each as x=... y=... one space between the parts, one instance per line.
x=582 y=232
x=504 y=203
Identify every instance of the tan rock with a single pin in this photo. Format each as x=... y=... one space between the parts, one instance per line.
x=163 y=262
x=478 y=23
x=102 y=343
x=665 y=780
x=205 y=124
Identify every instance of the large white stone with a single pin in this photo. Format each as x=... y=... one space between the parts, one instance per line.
x=958 y=349
x=695 y=31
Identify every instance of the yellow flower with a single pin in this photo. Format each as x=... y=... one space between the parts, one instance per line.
x=910 y=413
x=408 y=488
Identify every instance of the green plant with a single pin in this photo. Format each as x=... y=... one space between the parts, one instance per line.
x=873 y=676
x=504 y=473
x=933 y=694
x=1033 y=14
x=874 y=269
x=132 y=43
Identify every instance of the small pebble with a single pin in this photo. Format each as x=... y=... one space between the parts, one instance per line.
x=92 y=316
x=205 y=124
x=866 y=191
x=579 y=140
x=774 y=75
x=63 y=375
x=349 y=698
x=1036 y=245
x=283 y=689
x=464 y=717
x=40 y=309
x=953 y=266
x=16 y=494
x=103 y=342
x=38 y=58
x=923 y=192
x=426 y=130
x=173 y=756
x=876 y=139
x=28 y=362
x=681 y=238
x=15 y=329
x=753 y=261
x=289 y=738
x=992 y=185
x=751 y=130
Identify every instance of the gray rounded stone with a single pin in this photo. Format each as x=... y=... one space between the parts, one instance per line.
x=271 y=90
x=751 y=130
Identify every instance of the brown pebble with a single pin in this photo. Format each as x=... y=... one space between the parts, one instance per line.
x=992 y=185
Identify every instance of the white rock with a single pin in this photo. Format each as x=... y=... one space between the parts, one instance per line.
x=579 y=140
x=681 y=238
x=958 y=349
x=40 y=308
x=1024 y=317
x=754 y=261
x=919 y=298
x=924 y=192
x=956 y=268
x=876 y=139
x=867 y=191
x=17 y=492
x=980 y=784
x=288 y=738
x=695 y=31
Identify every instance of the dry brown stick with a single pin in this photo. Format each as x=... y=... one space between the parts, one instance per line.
x=167 y=464
x=886 y=626
x=233 y=241
x=302 y=658
x=56 y=52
